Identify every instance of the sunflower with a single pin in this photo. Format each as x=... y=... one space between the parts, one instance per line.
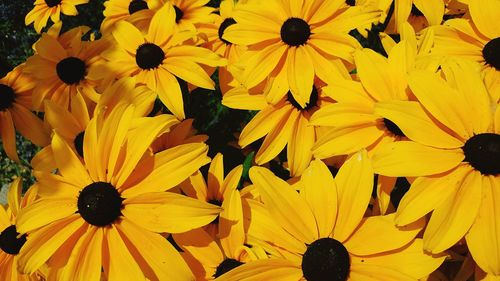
x=10 y=240
x=156 y=59
x=60 y=68
x=285 y=123
x=15 y=103
x=455 y=152
x=137 y=11
x=321 y=234
x=211 y=35
x=213 y=251
x=477 y=39
x=215 y=189
x=110 y=209
x=43 y=9
x=295 y=41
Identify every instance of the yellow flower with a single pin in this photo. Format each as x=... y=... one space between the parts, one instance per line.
x=285 y=123
x=455 y=152
x=110 y=209
x=477 y=39
x=320 y=233
x=156 y=59
x=15 y=103
x=211 y=36
x=294 y=42
x=51 y=8
x=10 y=240
x=60 y=68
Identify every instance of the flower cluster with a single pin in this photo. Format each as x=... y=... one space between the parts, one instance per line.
x=351 y=97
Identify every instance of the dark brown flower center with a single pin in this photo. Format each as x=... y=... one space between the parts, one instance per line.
x=393 y=128
x=137 y=5
x=9 y=243
x=225 y=266
x=7 y=97
x=149 y=56
x=482 y=152
x=295 y=32
x=326 y=259
x=52 y=3
x=178 y=14
x=313 y=100
x=491 y=53
x=100 y=204
x=71 y=70
x=350 y=2
x=225 y=24
x=78 y=142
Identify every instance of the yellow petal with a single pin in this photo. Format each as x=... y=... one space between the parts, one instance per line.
x=433 y=10
x=169 y=212
x=8 y=135
x=44 y=212
x=300 y=74
x=416 y=124
x=162 y=25
x=169 y=92
x=262 y=123
x=239 y=98
x=231 y=230
x=452 y=219
x=299 y=148
x=343 y=114
x=189 y=71
x=266 y=269
x=378 y=234
x=156 y=252
x=320 y=192
x=29 y=125
x=285 y=205
x=485 y=16
x=411 y=159
x=176 y=164
x=68 y=163
x=14 y=195
x=354 y=188
x=427 y=193
x=259 y=65
x=201 y=246
x=128 y=37
x=482 y=238
x=117 y=256
x=53 y=185
x=43 y=243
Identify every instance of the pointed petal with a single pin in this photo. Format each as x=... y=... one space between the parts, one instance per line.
x=231 y=230
x=266 y=269
x=300 y=74
x=485 y=16
x=128 y=36
x=68 y=163
x=201 y=246
x=44 y=212
x=354 y=188
x=299 y=149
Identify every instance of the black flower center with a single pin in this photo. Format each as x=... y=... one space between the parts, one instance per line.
x=415 y=11
x=350 y=2
x=225 y=24
x=137 y=5
x=99 y=204
x=9 y=243
x=178 y=14
x=491 y=53
x=149 y=56
x=393 y=128
x=71 y=70
x=326 y=259
x=313 y=100
x=7 y=97
x=295 y=32
x=225 y=266
x=482 y=152
x=52 y=3
x=78 y=142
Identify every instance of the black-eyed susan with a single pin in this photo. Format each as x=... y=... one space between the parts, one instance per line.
x=295 y=41
x=477 y=39
x=285 y=123
x=215 y=189
x=110 y=209
x=60 y=68
x=321 y=234
x=455 y=152
x=210 y=255
x=11 y=241
x=137 y=11
x=211 y=35
x=15 y=104
x=156 y=59
x=43 y=9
